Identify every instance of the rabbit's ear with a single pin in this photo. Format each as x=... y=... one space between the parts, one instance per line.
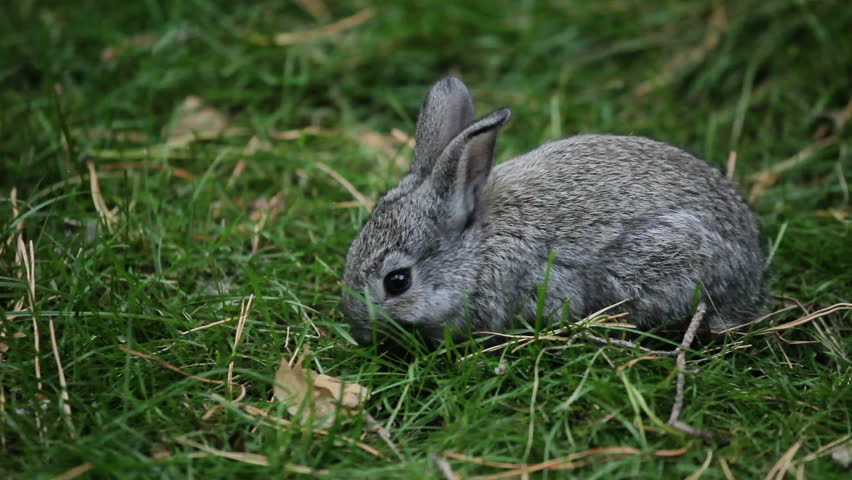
x=446 y=110
x=463 y=167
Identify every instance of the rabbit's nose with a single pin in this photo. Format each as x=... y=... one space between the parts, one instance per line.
x=362 y=334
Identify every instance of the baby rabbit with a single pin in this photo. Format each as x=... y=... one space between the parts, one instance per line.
x=462 y=245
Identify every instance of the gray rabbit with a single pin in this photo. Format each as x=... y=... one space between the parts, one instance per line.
x=462 y=245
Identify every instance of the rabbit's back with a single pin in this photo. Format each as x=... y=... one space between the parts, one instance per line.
x=628 y=217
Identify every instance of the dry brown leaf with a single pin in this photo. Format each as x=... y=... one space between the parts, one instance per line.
x=389 y=146
x=196 y=120
x=842 y=455
x=315 y=398
x=267 y=207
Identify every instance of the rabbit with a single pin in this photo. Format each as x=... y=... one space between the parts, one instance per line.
x=460 y=245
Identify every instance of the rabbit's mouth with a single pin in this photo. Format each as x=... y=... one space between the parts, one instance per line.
x=392 y=335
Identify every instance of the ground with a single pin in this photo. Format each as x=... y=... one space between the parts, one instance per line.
x=163 y=162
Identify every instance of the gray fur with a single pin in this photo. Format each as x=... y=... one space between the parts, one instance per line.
x=627 y=218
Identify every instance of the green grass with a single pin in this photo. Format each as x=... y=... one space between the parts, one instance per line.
x=180 y=254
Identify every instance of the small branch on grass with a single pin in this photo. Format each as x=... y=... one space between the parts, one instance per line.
x=340 y=26
x=316 y=8
x=828 y=448
x=677 y=406
x=595 y=318
x=178 y=370
x=262 y=414
x=29 y=270
x=277 y=422
x=28 y=259
x=444 y=467
x=628 y=344
x=364 y=201
x=245 y=308
x=679 y=353
x=732 y=165
x=107 y=216
x=726 y=470
x=203 y=327
x=178 y=172
x=697 y=474
x=531 y=427
x=250 y=458
x=13 y=199
x=759 y=319
x=837 y=307
x=66 y=398
x=716 y=27
x=569 y=462
x=377 y=427
x=779 y=470
x=766 y=178
x=75 y=472
x=29 y=266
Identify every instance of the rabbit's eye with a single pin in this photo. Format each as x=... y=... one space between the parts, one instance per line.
x=398 y=281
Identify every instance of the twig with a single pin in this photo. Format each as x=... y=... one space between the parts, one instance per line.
x=245 y=308
x=732 y=165
x=762 y=318
x=697 y=474
x=178 y=370
x=29 y=266
x=531 y=427
x=562 y=463
x=176 y=171
x=377 y=427
x=524 y=340
x=66 y=398
x=75 y=472
x=636 y=360
x=628 y=344
x=810 y=317
x=717 y=26
x=677 y=406
x=316 y=8
x=28 y=261
x=340 y=26
x=569 y=462
x=277 y=422
x=104 y=212
x=251 y=458
x=299 y=133
x=827 y=448
x=202 y=327
x=13 y=199
x=443 y=466
x=779 y=470
x=765 y=178
x=726 y=470
x=364 y=201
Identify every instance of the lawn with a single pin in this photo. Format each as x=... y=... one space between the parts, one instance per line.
x=163 y=163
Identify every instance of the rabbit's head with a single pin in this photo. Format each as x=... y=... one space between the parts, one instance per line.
x=411 y=262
